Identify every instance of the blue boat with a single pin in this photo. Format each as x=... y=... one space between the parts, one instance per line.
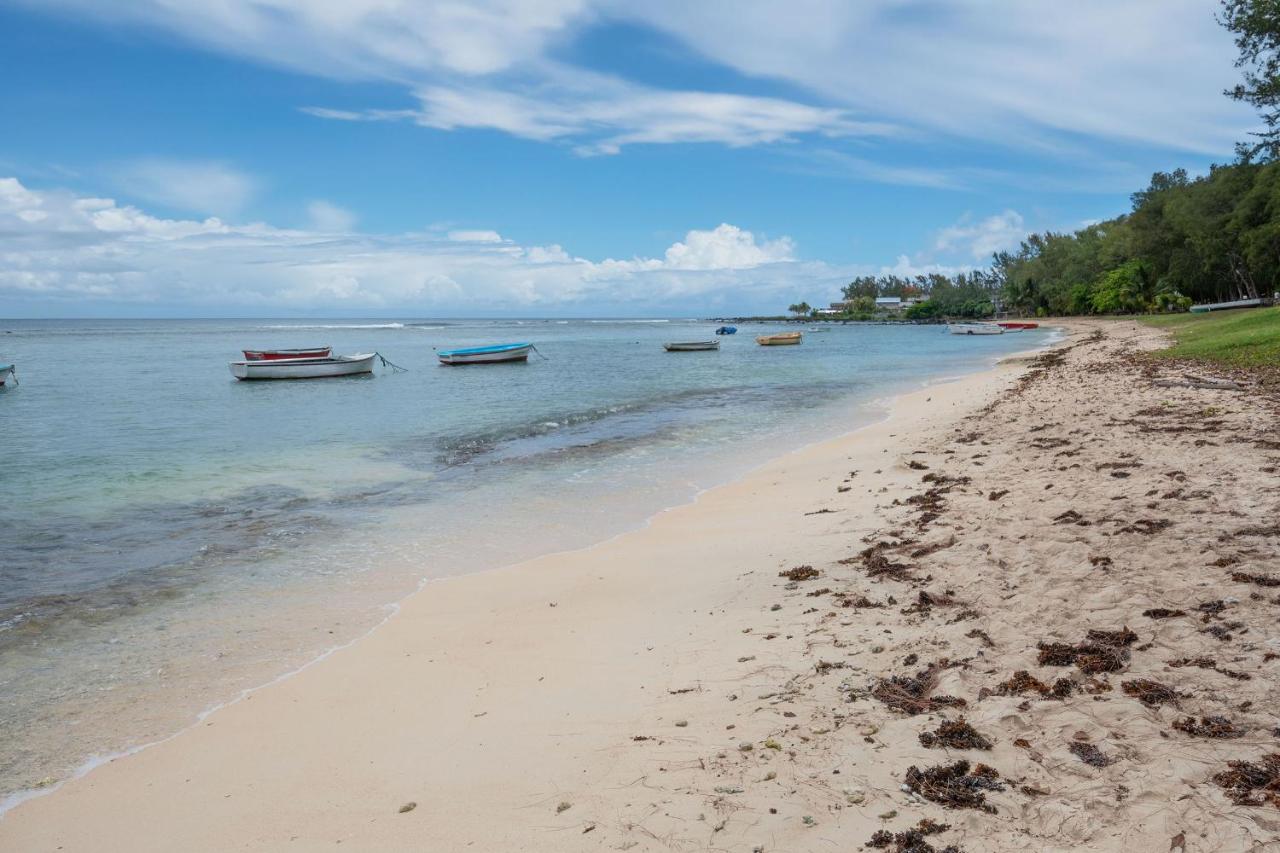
x=485 y=355
x=727 y=330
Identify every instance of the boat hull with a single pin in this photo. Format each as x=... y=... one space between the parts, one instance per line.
x=974 y=329
x=786 y=339
x=280 y=354
x=1017 y=325
x=486 y=355
x=6 y=373
x=727 y=330
x=304 y=368
x=691 y=346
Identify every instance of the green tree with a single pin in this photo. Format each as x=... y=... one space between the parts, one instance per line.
x=1256 y=27
x=800 y=308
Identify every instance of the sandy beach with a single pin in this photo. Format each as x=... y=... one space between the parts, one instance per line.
x=1078 y=562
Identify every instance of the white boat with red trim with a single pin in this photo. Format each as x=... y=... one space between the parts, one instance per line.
x=279 y=354
x=304 y=368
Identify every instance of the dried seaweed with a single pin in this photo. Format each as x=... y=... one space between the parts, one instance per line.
x=1151 y=693
x=912 y=694
x=912 y=840
x=979 y=634
x=1260 y=580
x=1147 y=526
x=926 y=601
x=1249 y=784
x=1211 y=727
x=861 y=602
x=800 y=573
x=954 y=734
x=997 y=494
x=1101 y=651
x=1022 y=682
x=1163 y=613
x=1089 y=754
x=955 y=785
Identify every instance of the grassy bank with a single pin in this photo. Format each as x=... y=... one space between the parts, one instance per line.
x=1245 y=338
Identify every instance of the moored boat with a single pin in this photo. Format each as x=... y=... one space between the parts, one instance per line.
x=974 y=329
x=1017 y=325
x=486 y=355
x=6 y=373
x=304 y=368
x=278 y=354
x=691 y=346
x=781 y=339
x=727 y=330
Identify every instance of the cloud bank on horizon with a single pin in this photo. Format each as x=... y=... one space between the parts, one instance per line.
x=64 y=249
x=827 y=86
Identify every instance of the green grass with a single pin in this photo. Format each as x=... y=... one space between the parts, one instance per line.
x=1245 y=337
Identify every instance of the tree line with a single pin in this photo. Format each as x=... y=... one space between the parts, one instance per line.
x=1212 y=238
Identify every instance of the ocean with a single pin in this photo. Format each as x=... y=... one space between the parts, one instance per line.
x=171 y=537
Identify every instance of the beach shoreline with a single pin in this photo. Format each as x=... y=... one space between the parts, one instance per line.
x=591 y=698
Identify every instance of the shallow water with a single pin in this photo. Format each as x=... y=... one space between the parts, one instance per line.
x=170 y=536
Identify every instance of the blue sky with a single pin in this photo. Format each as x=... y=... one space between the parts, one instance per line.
x=569 y=157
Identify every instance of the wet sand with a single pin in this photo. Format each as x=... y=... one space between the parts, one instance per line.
x=668 y=689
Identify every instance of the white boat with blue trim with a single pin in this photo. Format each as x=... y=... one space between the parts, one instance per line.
x=494 y=354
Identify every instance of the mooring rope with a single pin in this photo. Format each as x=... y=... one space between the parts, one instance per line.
x=539 y=352
x=393 y=366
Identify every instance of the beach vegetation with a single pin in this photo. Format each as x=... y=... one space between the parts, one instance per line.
x=1247 y=338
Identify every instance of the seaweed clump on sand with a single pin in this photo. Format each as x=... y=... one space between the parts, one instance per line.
x=1163 y=613
x=1101 y=651
x=1260 y=580
x=954 y=734
x=1023 y=682
x=1249 y=784
x=800 y=573
x=1151 y=693
x=877 y=564
x=955 y=785
x=1089 y=754
x=912 y=840
x=912 y=694
x=1211 y=727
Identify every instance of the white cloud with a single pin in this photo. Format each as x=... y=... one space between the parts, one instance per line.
x=905 y=267
x=602 y=114
x=727 y=247
x=1022 y=74
x=327 y=216
x=194 y=186
x=61 y=249
x=985 y=237
x=1026 y=73
x=477 y=236
x=388 y=39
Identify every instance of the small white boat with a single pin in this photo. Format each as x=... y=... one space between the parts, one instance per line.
x=690 y=346
x=6 y=373
x=974 y=329
x=485 y=355
x=304 y=368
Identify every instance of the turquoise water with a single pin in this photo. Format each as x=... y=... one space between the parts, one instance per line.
x=170 y=535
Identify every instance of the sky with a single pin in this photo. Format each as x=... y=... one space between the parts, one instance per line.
x=560 y=158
